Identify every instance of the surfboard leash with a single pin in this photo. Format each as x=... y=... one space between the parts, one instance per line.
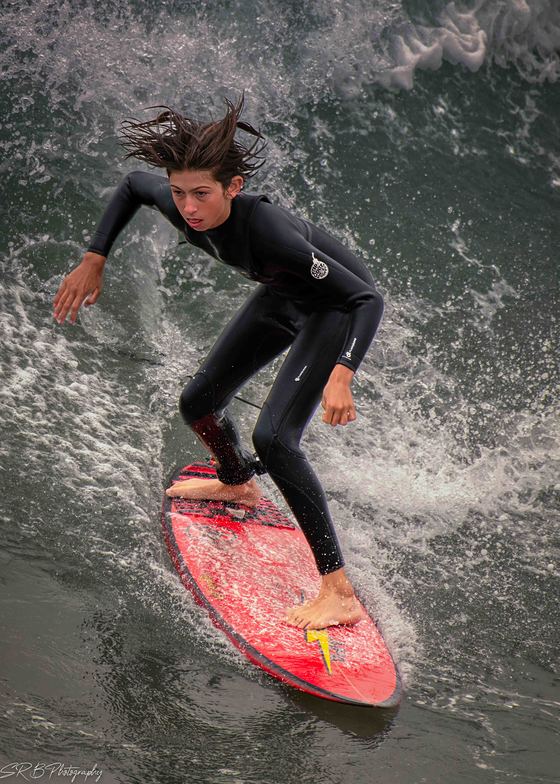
x=152 y=361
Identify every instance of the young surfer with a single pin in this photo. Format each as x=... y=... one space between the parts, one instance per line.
x=314 y=297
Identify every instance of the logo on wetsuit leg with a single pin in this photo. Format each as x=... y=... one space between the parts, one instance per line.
x=298 y=377
x=319 y=269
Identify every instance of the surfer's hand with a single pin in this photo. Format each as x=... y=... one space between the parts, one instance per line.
x=337 y=397
x=80 y=287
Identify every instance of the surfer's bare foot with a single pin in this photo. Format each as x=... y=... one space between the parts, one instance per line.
x=335 y=605
x=213 y=490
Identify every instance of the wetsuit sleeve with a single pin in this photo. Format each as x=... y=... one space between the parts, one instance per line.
x=136 y=189
x=281 y=239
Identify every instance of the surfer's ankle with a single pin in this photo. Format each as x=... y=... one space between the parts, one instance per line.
x=247 y=493
x=249 y=486
x=337 y=583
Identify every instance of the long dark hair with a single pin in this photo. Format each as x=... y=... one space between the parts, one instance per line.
x=174 y=142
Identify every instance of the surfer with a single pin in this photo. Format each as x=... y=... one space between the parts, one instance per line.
x=314 y=297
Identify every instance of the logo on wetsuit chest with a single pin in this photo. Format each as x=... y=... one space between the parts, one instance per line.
x=319 y=269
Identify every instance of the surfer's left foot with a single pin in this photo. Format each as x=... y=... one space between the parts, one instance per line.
x=213 y=490
x=335 y=605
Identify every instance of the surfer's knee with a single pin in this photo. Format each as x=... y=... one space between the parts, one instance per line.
x=263 y=436
x=196 y=399
x=273 y=447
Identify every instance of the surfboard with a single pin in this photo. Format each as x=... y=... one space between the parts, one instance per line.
x=245 y=566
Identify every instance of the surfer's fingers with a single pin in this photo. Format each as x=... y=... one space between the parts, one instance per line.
x=348 y=416
x=77 y=303
x=62 y=306
x=93 y=297
x=65 y=297
x=70 y=301
x=333 y=413
x=335 y=420
x=59 y=296
x=338 y=418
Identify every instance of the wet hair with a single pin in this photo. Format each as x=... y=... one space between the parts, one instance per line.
x=174 y=142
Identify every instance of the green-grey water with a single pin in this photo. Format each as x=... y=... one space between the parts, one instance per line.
x=425 y=136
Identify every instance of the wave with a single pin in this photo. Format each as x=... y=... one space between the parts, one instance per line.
x=388 y=48
x=329 y=47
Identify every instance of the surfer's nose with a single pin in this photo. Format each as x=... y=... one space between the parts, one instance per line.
x=190 y=207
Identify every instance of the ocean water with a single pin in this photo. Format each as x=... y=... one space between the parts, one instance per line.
x=426 y=136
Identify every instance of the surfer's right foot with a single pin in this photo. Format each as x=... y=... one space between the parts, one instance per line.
x=336 y=605
x=213 y=490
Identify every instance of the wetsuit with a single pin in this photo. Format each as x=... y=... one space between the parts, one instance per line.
x=314 y=295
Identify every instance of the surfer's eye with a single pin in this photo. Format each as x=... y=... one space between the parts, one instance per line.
x=201 y=194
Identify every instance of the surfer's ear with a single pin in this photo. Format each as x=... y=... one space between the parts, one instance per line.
x=235 y=186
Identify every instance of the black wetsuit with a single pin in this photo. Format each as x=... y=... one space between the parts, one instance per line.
x=315 y=296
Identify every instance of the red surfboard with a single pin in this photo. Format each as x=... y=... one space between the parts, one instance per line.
x=246 y=566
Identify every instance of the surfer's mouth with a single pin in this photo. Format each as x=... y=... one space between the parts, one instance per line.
x=194 y=222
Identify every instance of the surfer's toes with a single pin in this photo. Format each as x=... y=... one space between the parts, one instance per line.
x=177 y=489
x=323 y=613
x=294 y=619
x=247 y=494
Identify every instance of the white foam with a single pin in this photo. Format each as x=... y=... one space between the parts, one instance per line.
x=407 y=461
x=79 y=419
x=345 y=46
x=361 y=43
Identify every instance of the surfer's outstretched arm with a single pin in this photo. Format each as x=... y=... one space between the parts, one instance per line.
x=83 y=285
x=135 y=190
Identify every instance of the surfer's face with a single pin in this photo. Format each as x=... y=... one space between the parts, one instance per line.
x=202 y=201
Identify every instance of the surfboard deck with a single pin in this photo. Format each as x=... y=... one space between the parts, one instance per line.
x=246 y=566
